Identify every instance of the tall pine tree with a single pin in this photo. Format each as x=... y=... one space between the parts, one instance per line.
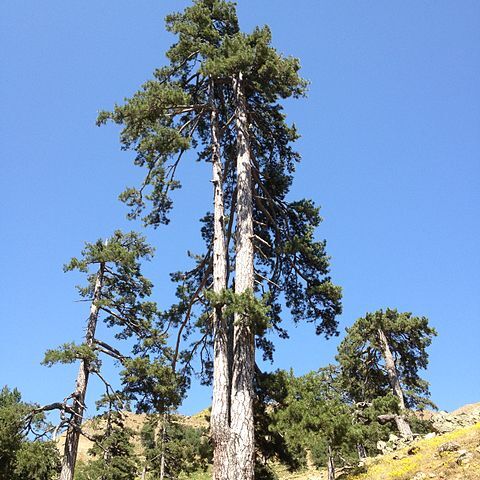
x=220 y=96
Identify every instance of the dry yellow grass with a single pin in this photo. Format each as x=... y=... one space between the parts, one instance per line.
x=132 y=421
x=402 y=466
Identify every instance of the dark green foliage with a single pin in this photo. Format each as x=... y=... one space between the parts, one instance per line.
x=152 y=384
x=12 y=413
x=367 y=429
x=251 y=309
x=125 y=289
x=170 y=115
x=315 y=417
x=38 y=460
x=264 y=471
x=360 y=356
x=147 y=375
x=20 y=457
x=420 y=426
x=312 y=413
x=271 y=393
x=184 y=449
x=69 y=353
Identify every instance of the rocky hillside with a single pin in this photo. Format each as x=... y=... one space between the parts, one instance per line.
x=133 y=422
x=452 y=452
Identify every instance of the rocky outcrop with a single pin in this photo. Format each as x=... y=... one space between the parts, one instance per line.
x=448 y=456
x=443 y=422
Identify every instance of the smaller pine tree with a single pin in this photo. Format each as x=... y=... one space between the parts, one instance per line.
x=172 y=448
x=22 y=458
x=383 y=354
x=112 y=455
x=316 y=420
x=119 y=295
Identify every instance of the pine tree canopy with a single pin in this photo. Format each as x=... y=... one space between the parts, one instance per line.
x=360 y=356
x=147 y=376
x=168 y=121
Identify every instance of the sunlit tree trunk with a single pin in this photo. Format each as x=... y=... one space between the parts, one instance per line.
x=402 y=424
x=219 y=420
x=243 y=341
x=73 y=432
x=162 y=439
x=330 y=464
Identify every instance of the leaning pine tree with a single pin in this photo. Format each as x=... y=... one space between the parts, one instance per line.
x=220 y=95
x=118 y=294
x=382 y=354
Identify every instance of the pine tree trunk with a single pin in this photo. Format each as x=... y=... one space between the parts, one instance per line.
x=219 y=420
x=402 y=424
x=163 y=442
x=73 y=432
x=362 y=452
x=330 y=464
x=244 y=352
x=162 y=466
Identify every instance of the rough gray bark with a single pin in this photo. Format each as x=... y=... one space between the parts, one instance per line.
x=219 y=420
x=73 y=432
x=242 y=426
x=162 y=458
x=402 y=424
x=362 y=452
x=330 y=464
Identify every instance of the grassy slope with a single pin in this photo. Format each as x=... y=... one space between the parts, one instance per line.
x=402 y=466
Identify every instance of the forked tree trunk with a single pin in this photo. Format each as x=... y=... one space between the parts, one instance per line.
x=242 y=425
x=219 y=420
x=330 y=464
x=402 y=424
x=73 y=432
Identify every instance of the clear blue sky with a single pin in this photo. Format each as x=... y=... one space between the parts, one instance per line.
x=391 y=150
